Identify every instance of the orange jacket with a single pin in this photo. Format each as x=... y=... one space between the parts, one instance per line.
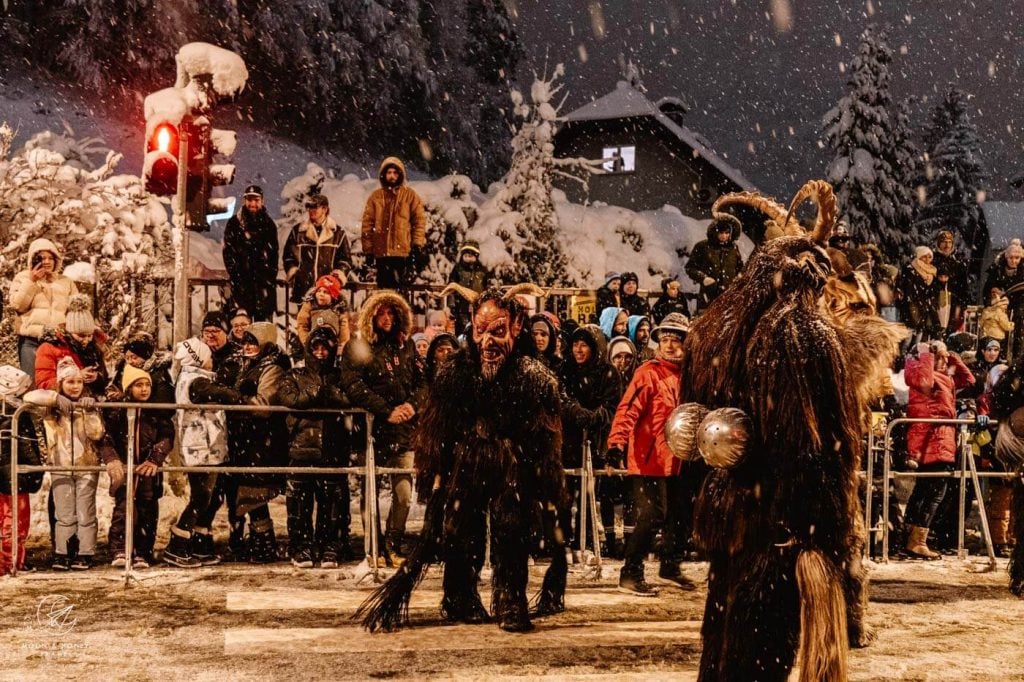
x=639 y=423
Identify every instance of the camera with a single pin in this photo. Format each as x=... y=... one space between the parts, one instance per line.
x=37 y=260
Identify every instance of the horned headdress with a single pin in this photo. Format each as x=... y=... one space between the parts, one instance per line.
x=781 y=222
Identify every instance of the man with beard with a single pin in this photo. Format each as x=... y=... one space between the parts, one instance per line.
x=488 y=441
x=250 y=256
x=394 y=226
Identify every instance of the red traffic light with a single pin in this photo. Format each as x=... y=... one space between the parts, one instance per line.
x=164 y=139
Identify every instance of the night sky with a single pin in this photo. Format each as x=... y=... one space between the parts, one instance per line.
x=758 y=84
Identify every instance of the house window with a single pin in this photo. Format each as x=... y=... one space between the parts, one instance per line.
x=619 y=159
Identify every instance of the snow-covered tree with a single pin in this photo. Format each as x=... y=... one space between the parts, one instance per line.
x=53 y=188
x=868 y=138
x=955 y=175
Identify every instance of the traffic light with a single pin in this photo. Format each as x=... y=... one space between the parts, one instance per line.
x=204 y=144
x=161 y=162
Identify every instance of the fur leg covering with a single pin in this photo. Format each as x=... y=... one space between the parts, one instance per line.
x=855 y=588
x=551 y=599
x=1016 y=566
x=823 y=635
x=387 y=608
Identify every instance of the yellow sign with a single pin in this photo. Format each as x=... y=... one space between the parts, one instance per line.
x=583 y=308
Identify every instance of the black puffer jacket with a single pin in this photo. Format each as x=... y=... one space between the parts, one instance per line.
x=251 y=256
x=590 y=394
x=665 y=305
x=30 y=436
x=711 y=258
x=316 y=438
x=379 y=372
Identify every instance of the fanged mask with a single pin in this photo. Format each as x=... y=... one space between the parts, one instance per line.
x=494 y=333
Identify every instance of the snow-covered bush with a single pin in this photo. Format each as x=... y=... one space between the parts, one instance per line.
x=55 y=188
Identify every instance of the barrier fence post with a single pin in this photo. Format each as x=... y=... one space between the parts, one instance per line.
x=584 y=507
x=591 y=500
x=869 y=485
x=964 y=449
x=370 y=502
x=986 y=531
x=886 y=474
x=14 y=490
x=129 y=494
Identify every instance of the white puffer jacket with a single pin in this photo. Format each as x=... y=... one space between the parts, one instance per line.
x=202 y=434
x=40 y=304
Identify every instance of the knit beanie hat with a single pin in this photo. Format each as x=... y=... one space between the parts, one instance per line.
x=131 y=375
x=620 y=344
x=142 y=344
x=921 y=251
x=265 y=332
x=611 y=275
x=193 y=353
x=67 y=368
x=13 y=382
x=79 y=316
x=215 y=318
x=331 y=285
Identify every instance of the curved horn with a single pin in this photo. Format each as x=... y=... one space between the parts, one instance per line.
x=465 y=292
x=777 y=223
x=527 y=288
x=820 y=192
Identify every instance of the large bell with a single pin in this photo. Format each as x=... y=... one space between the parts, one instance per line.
x=723 y=436
x=681 y=430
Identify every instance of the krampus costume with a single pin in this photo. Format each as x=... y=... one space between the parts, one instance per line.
x=778 y=514
x=1008 y=408
x=488 y=440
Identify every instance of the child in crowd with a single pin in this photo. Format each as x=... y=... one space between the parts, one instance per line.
x=994 y=320
x=614 y=322
x=140 y=352
x=154 y=439
x=324 y=306
x=203 y=441
x=470 y=273
x=13 y=384
x=73 y=434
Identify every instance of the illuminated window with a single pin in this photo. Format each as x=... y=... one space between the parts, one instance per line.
x=619 y=159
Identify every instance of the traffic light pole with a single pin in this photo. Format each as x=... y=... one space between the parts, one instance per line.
x=182 y=299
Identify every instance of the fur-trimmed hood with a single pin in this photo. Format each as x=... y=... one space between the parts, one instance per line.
x=391 y=161
x=403 y=317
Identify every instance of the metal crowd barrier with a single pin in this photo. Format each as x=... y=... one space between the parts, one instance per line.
x=967 y=471
x=368 y=471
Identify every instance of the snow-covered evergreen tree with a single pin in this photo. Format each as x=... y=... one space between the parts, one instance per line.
x=53 y=188
x=955 y=175
x=869 y=140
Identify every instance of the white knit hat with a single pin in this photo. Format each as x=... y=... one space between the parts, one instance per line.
x=920 y=251
x=79 y=317
x=13 y=382
x=67 y=368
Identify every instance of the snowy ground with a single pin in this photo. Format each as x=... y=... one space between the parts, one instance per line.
x=938 y=621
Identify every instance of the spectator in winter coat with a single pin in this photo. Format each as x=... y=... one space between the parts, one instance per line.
x=82 y=341
x=251 y=256
x=154 y=434
x=933 y=377
x=671 y=300
x=203 y=441
x=470 y=273
x=13 y=384
x=622 y=356
x=241 y=320
x=631 y=300
x=715 y=262
x=639 y=330
x=637 y=435
x=840 y=238
x=140 y=353
x=919 y=292
x=1005 y=272
x=591 y=390
x=40 y=296
x=614 y=322
x=73 y=433
x=543 y=342
x=990 y=356
x=324 y=306
x=883 y=280
x=254 y=438
x=378 y=374
x=958 y=284
x=316 y=247
x=994 y=321
x=215 y=335
x=609 y=295
x=317 y=440
x=394 y=227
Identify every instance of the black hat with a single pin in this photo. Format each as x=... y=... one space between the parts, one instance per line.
x=316 y=201
x=142 y=344
x=253 y=191
x=215 y=318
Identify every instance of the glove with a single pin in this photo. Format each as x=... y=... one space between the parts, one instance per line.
x=86 y=402
x=64 y=404
x=615 y=457
x=117 y=476
x=248 y=388
x=708 y=281
x=981 y=421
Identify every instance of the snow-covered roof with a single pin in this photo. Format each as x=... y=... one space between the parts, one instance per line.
x=628 y=102
x=1005 y=221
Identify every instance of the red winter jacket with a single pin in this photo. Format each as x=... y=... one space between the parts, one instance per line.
x=639 y=423
x=933 y=396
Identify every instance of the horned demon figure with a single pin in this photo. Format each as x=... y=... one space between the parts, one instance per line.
x=488 y=441
x=778 y=514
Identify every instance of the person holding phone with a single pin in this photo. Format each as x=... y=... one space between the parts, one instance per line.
x=40 y=296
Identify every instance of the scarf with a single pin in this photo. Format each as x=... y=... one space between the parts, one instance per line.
x=926 y=270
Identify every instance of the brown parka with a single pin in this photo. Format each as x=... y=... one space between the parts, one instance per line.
x=393 y=220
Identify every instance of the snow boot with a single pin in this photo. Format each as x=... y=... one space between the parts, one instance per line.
x=202 y=547
x=177 y=552
x=392 y=552
x=917 y=544
x=674 y=574
x=262 y=543
x=632 y=582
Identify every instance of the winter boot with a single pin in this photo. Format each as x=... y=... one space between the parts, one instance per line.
x=178 y=552
x=262 y=543
x=392 y=552
x=674 y=574
x=631 y=581
x=917 y=544
x=236 y=540
x=202 y=547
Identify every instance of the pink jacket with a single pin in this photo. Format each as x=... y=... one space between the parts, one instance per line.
x=933 y=396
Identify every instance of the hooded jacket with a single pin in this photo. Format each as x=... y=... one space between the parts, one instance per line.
x=634 y=303
x=71 y=440
x=548 y=357
x=378 y=373
x=644 y=351
x=711 y=258
x=933 y=396
x=590 y=394
x=394 y=220
x=202 y=434
x=607 y=321
x=639 y=423
x=311 y=255
x=44 y=304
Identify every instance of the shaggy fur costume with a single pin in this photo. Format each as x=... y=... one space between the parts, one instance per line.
x=780 y=528
x=484 y=446
x=1007 y=401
